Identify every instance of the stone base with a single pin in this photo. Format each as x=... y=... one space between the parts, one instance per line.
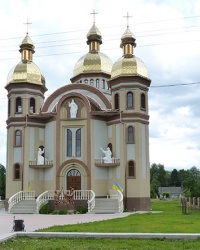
x=137 y=204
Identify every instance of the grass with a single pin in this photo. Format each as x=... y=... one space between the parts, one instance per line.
x=170 y=220
x=26 y=243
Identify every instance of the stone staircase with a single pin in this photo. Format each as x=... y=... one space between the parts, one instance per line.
x=24 y=207
x=105 y=206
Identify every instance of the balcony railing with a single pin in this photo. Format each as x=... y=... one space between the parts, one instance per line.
x=100 y=162
x=47 y=164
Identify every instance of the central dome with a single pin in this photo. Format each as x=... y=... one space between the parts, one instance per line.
x=93 y=63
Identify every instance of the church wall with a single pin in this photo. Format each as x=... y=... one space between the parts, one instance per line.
x=17 y=154
x=100 y=175
x=12 y=186
x=139 y=186
x=50 y=141
x=144 y=152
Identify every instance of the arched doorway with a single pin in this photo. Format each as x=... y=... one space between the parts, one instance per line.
x=73 y=179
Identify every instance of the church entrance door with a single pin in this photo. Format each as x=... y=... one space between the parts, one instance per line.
x=74 y=179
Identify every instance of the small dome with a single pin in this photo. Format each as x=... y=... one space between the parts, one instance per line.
x=93 y=63
x=94 y=31
x=26 y=72
x=129 y=66
x=128 y=34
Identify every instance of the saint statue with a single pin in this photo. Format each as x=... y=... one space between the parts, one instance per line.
x=40 y=157
x=108 y=155
x=73 y=109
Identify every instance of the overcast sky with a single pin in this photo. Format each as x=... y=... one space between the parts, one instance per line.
x=167 y=35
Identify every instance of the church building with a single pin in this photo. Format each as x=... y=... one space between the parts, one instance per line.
x=88 y=134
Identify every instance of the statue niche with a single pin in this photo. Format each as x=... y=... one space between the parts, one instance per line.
x=40 y=155
x=73 y=108
x=108 y=155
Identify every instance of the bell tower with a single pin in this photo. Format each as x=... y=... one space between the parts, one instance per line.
x=129 y=85
x=26 y=88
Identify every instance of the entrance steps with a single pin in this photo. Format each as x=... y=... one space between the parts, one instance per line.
x=24 y=207
x=105 y=206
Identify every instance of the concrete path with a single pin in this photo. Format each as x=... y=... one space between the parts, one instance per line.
x=37 y=221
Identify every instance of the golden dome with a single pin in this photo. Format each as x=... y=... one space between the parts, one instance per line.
x=26 y=72
x=93 y=63
x=129 y=66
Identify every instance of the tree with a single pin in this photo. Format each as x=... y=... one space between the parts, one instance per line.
x=155 y=184
x=2 y=181
x=158 y=178
x=174 y=178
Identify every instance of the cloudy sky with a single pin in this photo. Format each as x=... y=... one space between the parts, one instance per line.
x=168 y=38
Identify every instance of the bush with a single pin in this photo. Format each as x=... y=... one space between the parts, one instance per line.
x=45 y=209
x=166 y=194
x=55 y=211
x=82 y=210
x=62 y=211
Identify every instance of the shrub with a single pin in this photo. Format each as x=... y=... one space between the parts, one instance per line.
x=62 y=211
x=55 y=211
x=166 y=194
x=45 y=209
x=82 y=210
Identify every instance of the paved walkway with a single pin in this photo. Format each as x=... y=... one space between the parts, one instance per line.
x=37 y=221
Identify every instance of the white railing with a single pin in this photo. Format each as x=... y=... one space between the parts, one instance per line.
x=116 y=194
x=47 y=162
x=101 y=161
x=22 y=195
x=91 y=201
x=78 y=195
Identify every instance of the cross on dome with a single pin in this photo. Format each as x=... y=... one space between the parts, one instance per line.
x=27 y=23
x=127 y=16
x=94 y=13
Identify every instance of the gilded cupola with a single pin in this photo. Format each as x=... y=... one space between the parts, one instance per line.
x=94 y=61
x=128 y=64
x=26 y=70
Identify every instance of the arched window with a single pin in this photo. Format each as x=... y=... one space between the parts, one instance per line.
x=32 y=105
x=131 y=169
x=129 y=99
x=17 y=172
x=110 y=146
x=116 y=101
x=69 y=143
x=91 y=82
x=103 y=84
x=78 y=143
x=97 y=83
x=18 y=138
x=143 y=101
x=86 y=81
x=130 y=134
x=18 y=105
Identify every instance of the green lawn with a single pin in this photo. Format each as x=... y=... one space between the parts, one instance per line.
x=169 y=220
